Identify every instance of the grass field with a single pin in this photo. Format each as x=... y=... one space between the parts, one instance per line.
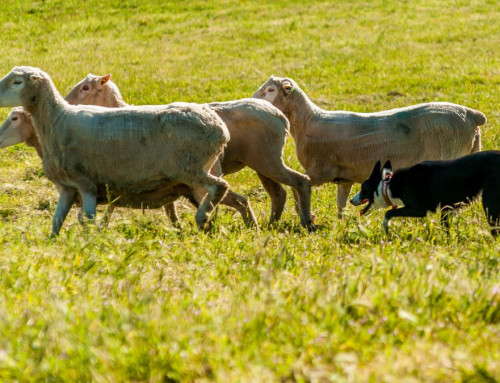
x=144 y=302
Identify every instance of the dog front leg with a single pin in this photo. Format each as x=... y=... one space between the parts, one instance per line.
x=405 y=211
x=445 y=219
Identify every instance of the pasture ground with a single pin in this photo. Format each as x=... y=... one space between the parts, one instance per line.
x=142 y=301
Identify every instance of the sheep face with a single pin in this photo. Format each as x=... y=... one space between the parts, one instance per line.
x=16 y=128
x=11 y=88
x=20 y=87
x=277 y=91
x=88 y=91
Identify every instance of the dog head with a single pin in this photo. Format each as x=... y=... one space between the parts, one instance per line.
x=370 y=193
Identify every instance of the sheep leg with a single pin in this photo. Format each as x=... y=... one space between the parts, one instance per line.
x=171 y=212
x=343 y=191
x=89 y=204
x=242 y=205
x=301 y=186
x=235 y=201
x=80 y=216
x=278 y=197
x=107 y=215
x=66 y=198
x=216 y=188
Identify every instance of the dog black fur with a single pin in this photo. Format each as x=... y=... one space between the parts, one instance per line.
x=430 y=185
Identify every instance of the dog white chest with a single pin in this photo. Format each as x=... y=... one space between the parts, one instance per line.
x=379 y=201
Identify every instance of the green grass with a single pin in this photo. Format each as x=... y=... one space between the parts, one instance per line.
x=142 y=301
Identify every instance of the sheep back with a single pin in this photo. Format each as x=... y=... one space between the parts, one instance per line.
x=352 y=142
x=133 y=149
x=255 y=127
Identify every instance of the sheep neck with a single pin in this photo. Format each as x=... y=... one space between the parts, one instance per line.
x=35 y=143
x=114 y=98
x=300 y=111
x=46 y=106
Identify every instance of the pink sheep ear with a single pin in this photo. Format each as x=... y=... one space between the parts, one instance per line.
x=104 y=79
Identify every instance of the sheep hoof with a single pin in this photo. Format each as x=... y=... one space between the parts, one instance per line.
x=311 y=227
x=204 y=223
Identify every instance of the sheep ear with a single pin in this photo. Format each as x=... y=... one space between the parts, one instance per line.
x=287 y=87
x=104 y=79
x=35 y=77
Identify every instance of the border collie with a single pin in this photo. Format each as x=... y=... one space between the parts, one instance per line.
x=429 y=185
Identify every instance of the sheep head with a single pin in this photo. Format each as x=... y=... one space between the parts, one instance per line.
x=17 y=87
x=16 y=128
x=89 y=90
x=96 y=90
x=278 y=91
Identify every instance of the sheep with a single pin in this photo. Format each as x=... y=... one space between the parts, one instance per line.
x=258 y=133
x=99 y=90
x=18 y=127
x=135 y=151
x=341 y=147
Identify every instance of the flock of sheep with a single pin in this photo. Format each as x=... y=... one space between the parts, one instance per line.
x=162 y=152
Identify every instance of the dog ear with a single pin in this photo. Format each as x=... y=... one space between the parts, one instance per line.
x=376 y=170
x=387 y=170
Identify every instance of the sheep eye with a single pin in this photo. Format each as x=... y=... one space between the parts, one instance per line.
x=270 y=90
x=85 y=87
x=18 y=82
x=14 y=118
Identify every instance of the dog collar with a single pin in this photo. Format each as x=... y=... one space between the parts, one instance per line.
x=385 y=194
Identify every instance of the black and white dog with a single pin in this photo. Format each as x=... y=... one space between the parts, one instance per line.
x=429 y=185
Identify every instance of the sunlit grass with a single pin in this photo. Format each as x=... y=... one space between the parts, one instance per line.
x=144 y=301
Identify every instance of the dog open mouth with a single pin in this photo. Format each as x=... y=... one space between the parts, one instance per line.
x=366 y=208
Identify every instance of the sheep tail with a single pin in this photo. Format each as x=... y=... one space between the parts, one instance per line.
x=476 y=143
x=478 y=117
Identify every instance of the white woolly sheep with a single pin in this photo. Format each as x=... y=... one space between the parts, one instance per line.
x=257 y=131
x=133 y=150
x=341 y=147
x=18 y=128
